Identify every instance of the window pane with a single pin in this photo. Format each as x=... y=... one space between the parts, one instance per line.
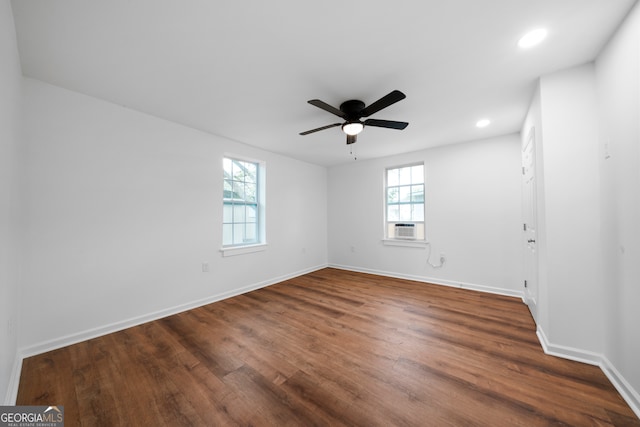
x=393 y=177
x=238 y=190
x=238 y=233
x=405 y=212
x=228 y=189
x=227 y=213
x=227 y=234
x=251 y=213
x=235 y=170
x=227 y=166
x=250 y=192
x=417 y=193
x=238 y=170
x=405 y=194
x=251 y=172
x=417 y=213
x=238 y=213
x=417 y=174
x=405 y=176
x=251 y=233
x=393 y=213
x=392 y=195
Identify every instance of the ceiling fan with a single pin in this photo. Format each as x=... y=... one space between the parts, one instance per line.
x=353 y=110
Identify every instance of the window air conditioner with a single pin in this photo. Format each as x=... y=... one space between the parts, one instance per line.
x=405 y=231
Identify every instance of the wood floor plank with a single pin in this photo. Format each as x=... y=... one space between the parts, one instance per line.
x=44 y=389
x=330 y=348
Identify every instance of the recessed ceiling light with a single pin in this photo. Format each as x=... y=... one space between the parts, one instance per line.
x=483 y=123
x=532 y=38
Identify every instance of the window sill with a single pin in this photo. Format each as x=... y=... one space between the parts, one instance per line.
x=405 y=243
x=241 y=250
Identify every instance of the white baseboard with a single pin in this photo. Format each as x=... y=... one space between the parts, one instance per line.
x=124 y=324
x=628 y=393
x=88 y=334
x=435 y=281
x=565 y=352
x=14 y=381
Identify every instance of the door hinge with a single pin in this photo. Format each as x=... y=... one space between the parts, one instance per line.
x=524 y=227
x=525 y=283
x=523 y=170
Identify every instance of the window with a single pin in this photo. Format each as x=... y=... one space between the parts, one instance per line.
x=404 y=206
x=243 y=203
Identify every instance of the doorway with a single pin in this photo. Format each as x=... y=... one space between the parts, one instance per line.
x=530 y=225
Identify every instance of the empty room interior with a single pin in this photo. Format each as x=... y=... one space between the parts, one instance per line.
x=321 y=213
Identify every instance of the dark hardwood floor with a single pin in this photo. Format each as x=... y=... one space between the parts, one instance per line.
x=328 y=348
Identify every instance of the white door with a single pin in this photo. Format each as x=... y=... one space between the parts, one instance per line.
x=530 y=224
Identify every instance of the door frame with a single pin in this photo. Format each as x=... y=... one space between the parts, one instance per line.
x=530 y=233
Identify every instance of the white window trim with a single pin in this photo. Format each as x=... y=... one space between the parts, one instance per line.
x=241 y=250
x=406 y=243
x=388 y=241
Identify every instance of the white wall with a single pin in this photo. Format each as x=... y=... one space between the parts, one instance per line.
x=618 y=89
x=123 y=209
x=10 y=94
x=473 y=216
x=588 y=119
x=571 y=182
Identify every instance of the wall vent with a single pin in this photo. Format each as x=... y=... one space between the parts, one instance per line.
x=405 y=231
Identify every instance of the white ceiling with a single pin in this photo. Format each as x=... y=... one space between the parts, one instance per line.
x=245 y=69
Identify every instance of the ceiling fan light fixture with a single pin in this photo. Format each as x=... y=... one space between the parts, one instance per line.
x=352 y=128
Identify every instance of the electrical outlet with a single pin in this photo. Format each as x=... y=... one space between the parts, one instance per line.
x=205 y=267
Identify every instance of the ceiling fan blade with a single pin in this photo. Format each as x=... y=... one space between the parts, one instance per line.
x=383 y=102
x=386 y=124
x=327 y=107
x=351 y=139
x=319 y=129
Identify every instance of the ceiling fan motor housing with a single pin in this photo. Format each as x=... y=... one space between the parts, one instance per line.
x=352 y=109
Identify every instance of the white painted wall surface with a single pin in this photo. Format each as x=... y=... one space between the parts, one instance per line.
x=618 y=89
x=589 y=206
x=571 y=197
x=123 y=209
x=473 y=216
x=10 y=99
